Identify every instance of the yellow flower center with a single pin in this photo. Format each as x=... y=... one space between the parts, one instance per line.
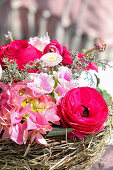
x=53 y=58
x=33 y=103
x=41 y=88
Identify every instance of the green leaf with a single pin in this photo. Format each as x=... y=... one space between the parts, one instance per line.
x=58 y=132
x=97 y=88
x=107 y=97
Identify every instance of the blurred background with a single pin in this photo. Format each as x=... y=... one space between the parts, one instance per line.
x=75 y=23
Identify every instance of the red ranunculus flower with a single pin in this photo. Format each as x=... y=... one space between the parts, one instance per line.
x=84 y=110
x=55 y=47
x=21 y=51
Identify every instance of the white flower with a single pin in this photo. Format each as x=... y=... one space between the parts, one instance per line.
x=0 y=71
x=40 y=43
x=87 y=78
x=51 y=59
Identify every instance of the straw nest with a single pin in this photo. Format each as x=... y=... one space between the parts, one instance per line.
x=58 y=154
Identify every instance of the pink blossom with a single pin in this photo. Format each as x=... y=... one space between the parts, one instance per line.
x=39 y=138
x=64 y=77
x=4 y=96
x=18 y=133
x=51 y=115
x=30 y=113
x=42 y=84
x=65 y=82
x=64 y=73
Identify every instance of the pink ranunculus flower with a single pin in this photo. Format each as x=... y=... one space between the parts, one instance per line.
x=67 y=60
x=55 y=47
x=21 y=51
x=84 y=110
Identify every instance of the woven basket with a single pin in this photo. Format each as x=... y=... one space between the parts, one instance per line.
x=58 y=154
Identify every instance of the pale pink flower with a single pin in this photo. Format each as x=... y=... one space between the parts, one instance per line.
x=5 y=122
x=40 y=43
x=42 y=84
x=59 y=92
x=39 y=138
x=51 y=115
x=65 y=83
x=64 y=87
x=37 y=124
x=8 y=36
x=64 y=73
x=51 y=59
x=18 y=92
x=47 y=108
x=64 y=78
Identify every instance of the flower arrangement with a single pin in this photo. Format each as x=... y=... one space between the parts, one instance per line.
x=41 y=96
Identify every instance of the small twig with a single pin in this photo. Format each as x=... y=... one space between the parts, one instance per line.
x=27 y=150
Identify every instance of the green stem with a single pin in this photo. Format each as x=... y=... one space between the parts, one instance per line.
x=11 y=38
x=51 y=70
x=90 y=51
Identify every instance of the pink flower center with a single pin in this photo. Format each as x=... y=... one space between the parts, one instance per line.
x=53 y=49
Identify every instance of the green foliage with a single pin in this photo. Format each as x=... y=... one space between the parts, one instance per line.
x=59 y=132
x=106 y=96
x=80 y=64
x=12 y=74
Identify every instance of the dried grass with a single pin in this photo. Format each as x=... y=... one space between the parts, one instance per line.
x=58 y=154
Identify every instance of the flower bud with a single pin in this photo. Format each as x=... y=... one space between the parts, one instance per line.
x=99 y=45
